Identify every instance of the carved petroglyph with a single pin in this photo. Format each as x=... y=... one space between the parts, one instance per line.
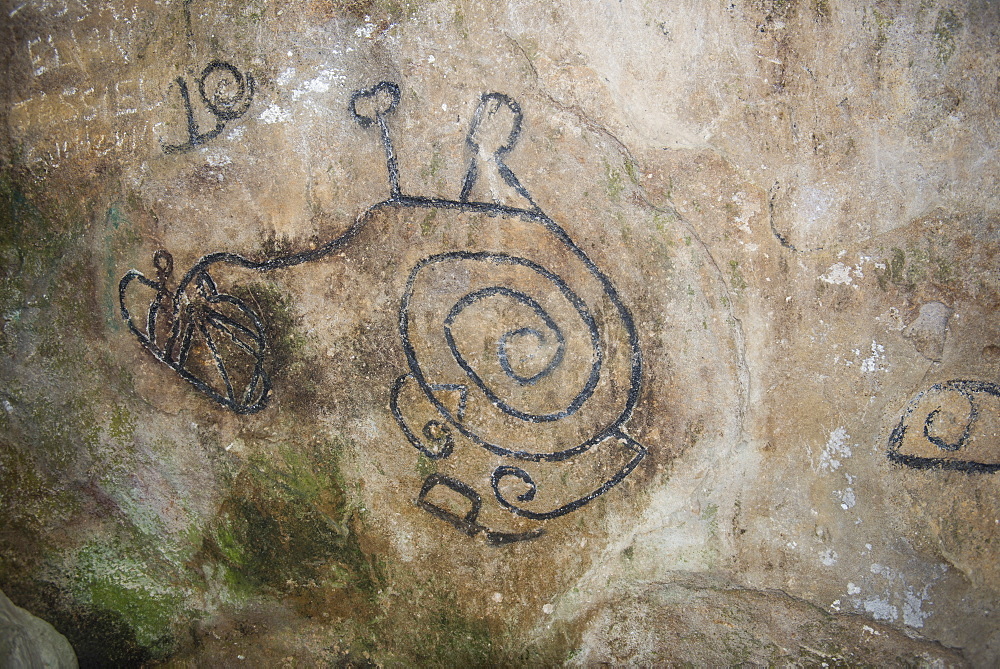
x=952 y=425
x=518 y=347
x=225 y=91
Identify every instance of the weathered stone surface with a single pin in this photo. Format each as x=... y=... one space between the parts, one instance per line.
x=691 y=619
x=929 y=329
x=27 y=641
x=462 y=332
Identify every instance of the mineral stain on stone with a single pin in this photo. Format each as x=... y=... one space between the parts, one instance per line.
x=292 y=361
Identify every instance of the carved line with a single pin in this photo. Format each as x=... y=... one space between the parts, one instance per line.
x=551 y=226
x=392 y=90
x=448 y=441
x=966 y=389
x=500 y=472
x=223 y=111
x=489 y=104
x=782 y=239
x=467 y=524
x=471 y=298
x=504 y=357
x=174 y=352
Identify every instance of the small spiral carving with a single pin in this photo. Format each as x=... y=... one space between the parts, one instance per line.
x=946 y=416
x=528 y=347
x=225 y=91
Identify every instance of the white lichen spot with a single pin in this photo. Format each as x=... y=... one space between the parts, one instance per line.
x=853 y=589
x=839 y=273
x=285 y=76
x=876 y=361
x=275 y=114
x=836 y=448
x=548 y=609
x=881 y=609
x=847 y=498
x=828 y=558
x=913 y=602
x=320 y=84
x=367 y=30
x=218 y=160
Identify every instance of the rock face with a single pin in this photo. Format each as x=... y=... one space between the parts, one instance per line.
x=26 y=641
x=530 y=332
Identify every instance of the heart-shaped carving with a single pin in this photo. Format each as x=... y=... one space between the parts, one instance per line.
x=213 y=340
x=368 y=105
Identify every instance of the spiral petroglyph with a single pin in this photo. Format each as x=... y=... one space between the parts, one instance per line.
x=516 y=343
x=952 y=425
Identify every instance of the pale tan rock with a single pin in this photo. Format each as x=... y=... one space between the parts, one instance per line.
x=929 y=329
x=31 y=643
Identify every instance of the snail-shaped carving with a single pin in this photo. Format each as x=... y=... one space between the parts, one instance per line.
x=528 y=351
x=518 y=346
x=951 y=425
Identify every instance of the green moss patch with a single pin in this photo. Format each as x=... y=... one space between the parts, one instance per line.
x=286 y=526
x=132 y=597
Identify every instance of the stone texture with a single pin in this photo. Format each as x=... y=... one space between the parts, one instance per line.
x=786 y=211
x=693 y=620
x=929 y=329
x=29 y=642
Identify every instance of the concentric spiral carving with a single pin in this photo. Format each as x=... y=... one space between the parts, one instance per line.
x=543 y=358
x=529 y=362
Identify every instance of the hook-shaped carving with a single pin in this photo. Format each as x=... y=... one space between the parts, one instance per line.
x=495 y=128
